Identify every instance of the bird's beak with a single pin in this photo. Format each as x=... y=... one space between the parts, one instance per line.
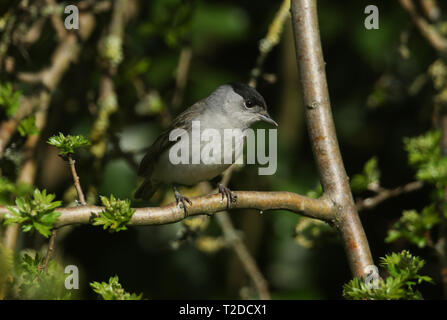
x=264 y=116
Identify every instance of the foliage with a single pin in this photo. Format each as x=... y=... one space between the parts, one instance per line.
x=28 y=127
x=113 y=290
x=209 y=244
x=32 y=281
x=34 y=214
x=316 y=192
x=111 y=50
x=425 y=156
x=309 y=232
x=402 y=269
x=116 y=214
x=9 y=98
x=414 y=226
x=369 y=177
x=8 y=190
x=67 y=144
x=6 y=268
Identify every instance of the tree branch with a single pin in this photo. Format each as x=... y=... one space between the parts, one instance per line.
x=427 y=30
x=270 y=41
x=385 y=194
x=323 y=137
x=246 y=259
x=313 y=208
x=66 y=52
x=81 y=197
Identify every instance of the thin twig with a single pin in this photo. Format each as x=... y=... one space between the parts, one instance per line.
x=181 y=76
x=427 y=30
x=81 y=197
x=56 y=20
x=50 y=250
x=384 y=194
x=66 y=52
x=232 y=236
x=245 y=257
x=270 y=41
x=431 y=9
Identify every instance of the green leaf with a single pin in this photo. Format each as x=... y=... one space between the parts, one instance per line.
x=403 y=270
x=67 y=144
x=44 y=230
x=34 y=214
x=116 y=214
x=28 y=127
x=415 y=226
x=32 y=283
x=424 y=154
x=113 y=290
x=50 y=218
x=316 y=192
x=369 y=177
x=9 y=99
x=423 y=149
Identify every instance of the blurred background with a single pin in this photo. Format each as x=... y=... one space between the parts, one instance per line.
x=176 y=52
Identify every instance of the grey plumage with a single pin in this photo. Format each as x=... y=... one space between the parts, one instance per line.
x=230 y=106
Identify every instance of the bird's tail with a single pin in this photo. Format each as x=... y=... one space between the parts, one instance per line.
x=146 y=190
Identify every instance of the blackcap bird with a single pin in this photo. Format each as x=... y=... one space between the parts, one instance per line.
x=230 y=106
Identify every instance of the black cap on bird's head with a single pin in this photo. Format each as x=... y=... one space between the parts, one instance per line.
x=253 y=101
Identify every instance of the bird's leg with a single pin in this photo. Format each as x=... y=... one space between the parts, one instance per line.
x=180 y=198
x=226 y=192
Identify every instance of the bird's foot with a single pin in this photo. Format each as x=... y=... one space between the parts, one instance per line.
x=226 y=192
x=179 y=198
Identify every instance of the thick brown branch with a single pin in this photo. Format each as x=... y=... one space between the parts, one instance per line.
x=321 y=128
x=314 y=208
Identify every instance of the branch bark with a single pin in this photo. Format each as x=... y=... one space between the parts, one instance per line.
x=78 y=187
x=323 y=137
x=313 y=208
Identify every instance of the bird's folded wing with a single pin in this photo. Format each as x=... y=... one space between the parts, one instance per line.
x=162 y=143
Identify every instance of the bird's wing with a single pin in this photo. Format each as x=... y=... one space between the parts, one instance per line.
x=162 y=143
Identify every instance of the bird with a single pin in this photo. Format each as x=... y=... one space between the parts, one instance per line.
x=229 y=106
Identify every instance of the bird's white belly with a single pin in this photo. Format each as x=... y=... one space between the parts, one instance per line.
x=209 y=167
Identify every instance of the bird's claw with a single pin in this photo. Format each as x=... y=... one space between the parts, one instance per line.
x=180 y=198
x=226 y=192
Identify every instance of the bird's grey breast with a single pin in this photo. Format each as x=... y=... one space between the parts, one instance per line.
x=219 y=142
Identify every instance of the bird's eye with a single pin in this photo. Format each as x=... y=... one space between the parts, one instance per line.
x=249 y=104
